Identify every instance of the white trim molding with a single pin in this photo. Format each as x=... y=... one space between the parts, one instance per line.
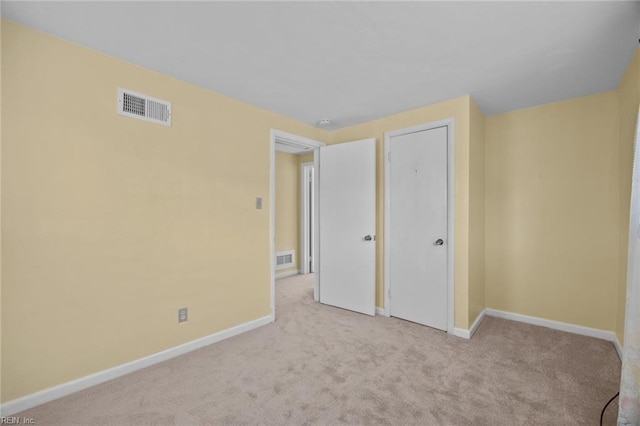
x=316 y=225
x=287 y=274
x=272 y=220
x=381 y=311
x=542 y=322
x=288 y=142
x=477 y=322
x=555 y=325
x=561 y=326
x=617 y=345
x=46 y=395
x=449 y=123
x=307 y=253
x=461 y=332
x=468 y=334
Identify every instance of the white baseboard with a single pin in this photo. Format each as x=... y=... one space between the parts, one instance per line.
x=557 y=325
x=380 y=311
x=617 y=345
x=287 y=274
x=477 y=322
x=467 y=334
x=461 y=332
x=46 y=395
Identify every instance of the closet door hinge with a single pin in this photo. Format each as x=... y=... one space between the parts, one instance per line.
x=389 y=156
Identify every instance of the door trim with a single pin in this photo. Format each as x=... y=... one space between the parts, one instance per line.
x=449 y=123
x=305 y=253
x=279 y=135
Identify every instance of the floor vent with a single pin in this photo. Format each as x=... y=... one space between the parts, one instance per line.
x=285 y=259
x=143 y=107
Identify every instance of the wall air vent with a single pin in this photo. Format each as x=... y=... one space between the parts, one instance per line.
x=285 y=259
x=143 y=107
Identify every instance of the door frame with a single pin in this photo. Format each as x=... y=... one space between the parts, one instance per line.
x=449 y=123
x=305 y=253
x=288 y=138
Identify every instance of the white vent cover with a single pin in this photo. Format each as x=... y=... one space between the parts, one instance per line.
x=285 y=259
x=143 y=107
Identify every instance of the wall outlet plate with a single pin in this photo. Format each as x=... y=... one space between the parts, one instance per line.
x=182 y=315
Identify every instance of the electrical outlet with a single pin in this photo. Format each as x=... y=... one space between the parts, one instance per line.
x=182 y=315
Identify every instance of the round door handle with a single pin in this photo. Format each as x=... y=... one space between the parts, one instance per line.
x=439 y=242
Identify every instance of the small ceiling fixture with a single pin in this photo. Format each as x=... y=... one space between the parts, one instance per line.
x=324 y=122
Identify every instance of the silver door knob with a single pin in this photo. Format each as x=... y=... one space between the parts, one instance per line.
x=439 y=242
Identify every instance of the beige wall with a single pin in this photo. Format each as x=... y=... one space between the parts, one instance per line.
x=288 y=205
x=305 y=158
x=110 y=224
x=629 y=98
x=552 y=197
x=459 y=109
x=477 y=290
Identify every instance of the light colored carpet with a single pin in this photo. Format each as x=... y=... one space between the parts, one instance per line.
x=322 y=365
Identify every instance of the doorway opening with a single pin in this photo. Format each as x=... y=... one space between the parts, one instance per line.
x=287 y=143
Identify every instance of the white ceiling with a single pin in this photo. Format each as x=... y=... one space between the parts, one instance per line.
x=356 y=61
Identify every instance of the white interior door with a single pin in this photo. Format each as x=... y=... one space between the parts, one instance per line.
x=347 y=204
x=418 y=227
